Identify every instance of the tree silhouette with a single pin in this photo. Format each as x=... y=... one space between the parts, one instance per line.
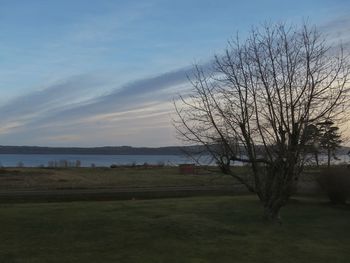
x=264 y=92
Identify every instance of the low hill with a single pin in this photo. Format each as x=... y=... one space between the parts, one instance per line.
x=107 y=150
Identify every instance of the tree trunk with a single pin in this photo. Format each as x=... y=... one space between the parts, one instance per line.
x=272 y=213
x=329 y=158
x=278 y=187
x=316 y=158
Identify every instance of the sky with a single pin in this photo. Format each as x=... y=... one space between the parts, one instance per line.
x=94 y=73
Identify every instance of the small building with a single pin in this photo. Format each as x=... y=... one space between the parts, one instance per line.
x=187 y=168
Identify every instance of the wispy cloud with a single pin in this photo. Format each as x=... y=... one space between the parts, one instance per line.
x=62 y=107
x=337 y=30
x=59 y=95
x=130 y=96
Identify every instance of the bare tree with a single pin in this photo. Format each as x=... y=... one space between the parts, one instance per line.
x=256 y=102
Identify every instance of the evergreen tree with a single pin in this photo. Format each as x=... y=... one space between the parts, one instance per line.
x=330 y=139
x=312 y=141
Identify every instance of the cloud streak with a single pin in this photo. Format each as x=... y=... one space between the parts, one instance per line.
x=337 y=30
x=129 y=96
x=61 y=106
x=57 y=95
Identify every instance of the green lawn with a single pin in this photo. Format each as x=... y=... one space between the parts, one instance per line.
x=203 y=229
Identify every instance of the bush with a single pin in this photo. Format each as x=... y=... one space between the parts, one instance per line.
x=336 y=183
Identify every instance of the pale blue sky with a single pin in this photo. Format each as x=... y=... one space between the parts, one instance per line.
x=93 y=73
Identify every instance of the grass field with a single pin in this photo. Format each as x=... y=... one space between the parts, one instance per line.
x=43 y=178
x=90 y=178
x=205 y=229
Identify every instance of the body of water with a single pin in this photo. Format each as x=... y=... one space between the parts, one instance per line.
x=87 y=160
x=36 y=160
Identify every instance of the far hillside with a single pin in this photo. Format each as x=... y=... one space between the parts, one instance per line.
x=116 y=150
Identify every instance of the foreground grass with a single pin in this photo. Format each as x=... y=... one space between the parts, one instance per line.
x=220 y=229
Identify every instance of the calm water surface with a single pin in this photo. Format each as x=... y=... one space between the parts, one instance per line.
x=35 y=160
x=86 y=160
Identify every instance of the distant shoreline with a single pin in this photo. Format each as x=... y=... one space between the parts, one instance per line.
x=106 y=150
x=115 y=150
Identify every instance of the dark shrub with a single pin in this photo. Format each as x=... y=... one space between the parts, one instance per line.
x=336 y=182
